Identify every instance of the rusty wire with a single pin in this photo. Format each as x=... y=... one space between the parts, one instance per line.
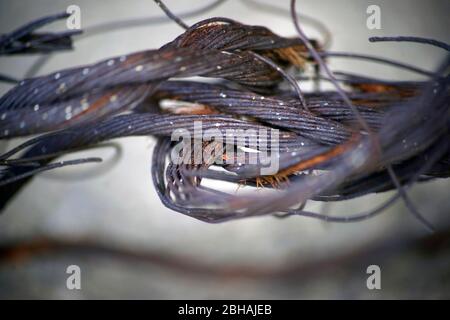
x=367 y=136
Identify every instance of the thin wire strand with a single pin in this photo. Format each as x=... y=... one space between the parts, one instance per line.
x=171 y=15
x=288 y=77
x=421 y=40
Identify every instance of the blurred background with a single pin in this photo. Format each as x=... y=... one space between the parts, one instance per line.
x=108 y=220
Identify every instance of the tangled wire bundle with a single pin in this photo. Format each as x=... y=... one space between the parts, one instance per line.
x=374 y=136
